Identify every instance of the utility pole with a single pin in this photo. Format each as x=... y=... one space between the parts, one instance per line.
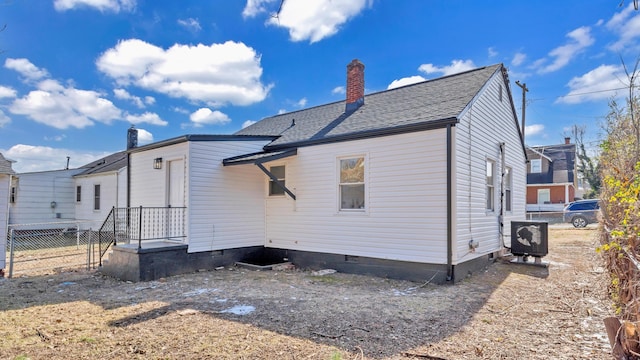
x=524 y=102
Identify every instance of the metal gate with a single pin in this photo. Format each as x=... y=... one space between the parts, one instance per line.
x=45 y=248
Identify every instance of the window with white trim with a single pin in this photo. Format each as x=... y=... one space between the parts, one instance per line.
x=78 y=193
x=96 y=197
x=13 y=196
x=278 y=172
x=536 y=166
x=544 y=196
x=490 y=185
x=507 y=189
x=352 y=184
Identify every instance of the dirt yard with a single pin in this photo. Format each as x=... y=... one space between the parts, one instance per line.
x=508 y=312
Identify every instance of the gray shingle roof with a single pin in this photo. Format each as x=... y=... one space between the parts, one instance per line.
x=108 y=163
x=5 y=166
x=427 y=103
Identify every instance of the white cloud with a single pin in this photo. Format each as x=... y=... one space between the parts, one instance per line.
x=255 y=7
x=302 y=102
x=144 y=137
x=533 y=130
x=31 y=158
x=339 y=90
x=25 y=68
x=579 y=39
x=595 y=85
x=518 y=59
x=282 y=111
x=124 y=95
x=405 y=81
x=491 y=52
x=4 y=119
x=63 y=107
x=248 y=123
x=190 y=24
x=7 y=92
x=315 y=20
x=180 y=110
x=626 y=24
x=55 y=138
x=101 y=5
x=216 y=74
x=457 y=66
x=147 y=117
x=149 y=100
x=204 y=116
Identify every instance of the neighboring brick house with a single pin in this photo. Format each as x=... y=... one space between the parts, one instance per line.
x=551 y=176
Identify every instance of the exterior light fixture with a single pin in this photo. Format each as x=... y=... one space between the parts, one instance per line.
x=157 y=163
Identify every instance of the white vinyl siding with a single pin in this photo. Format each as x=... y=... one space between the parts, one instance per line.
x=226 y=203
x=113 y=193
x=35 y=193
x=477 y=137
x=405 y=220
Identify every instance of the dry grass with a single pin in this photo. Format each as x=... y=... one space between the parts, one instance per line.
x=509 y=311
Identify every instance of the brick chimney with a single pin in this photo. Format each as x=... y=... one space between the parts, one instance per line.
x=355 y=85
x=567 y=140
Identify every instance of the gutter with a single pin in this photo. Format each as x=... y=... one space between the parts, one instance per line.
x=450 y=275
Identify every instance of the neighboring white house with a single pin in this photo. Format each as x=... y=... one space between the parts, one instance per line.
x=6 y=172
x=43 y=196
x=100 y=186
x=417 y=182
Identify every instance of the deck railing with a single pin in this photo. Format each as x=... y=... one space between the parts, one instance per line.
x=138 y=224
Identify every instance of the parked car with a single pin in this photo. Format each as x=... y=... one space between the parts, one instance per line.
x=582 y=212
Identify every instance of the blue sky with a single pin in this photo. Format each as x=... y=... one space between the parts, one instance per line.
x=76 y=74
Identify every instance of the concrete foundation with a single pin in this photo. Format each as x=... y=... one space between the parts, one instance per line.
x=162 y=259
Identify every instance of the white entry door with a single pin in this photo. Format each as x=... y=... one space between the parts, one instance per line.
x=175 y=187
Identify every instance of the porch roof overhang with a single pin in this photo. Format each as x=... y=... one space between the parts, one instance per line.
x=262 y=157
x=259 y=157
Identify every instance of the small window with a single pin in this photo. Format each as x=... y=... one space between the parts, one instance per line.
x=78 y=193
x=490 y=178
x=13 y=196
x=536 y=165
x=544 y=196
x=96 y=197
x=507 y=188
x=351 y=184
x=278 y=172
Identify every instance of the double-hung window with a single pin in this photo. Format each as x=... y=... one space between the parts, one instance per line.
x=78 y=193
x=536 y=166
x=352 y=183
x=278 y=172
x=96 y=197
x=14 y=193
x=490 y=185
x=507 y=189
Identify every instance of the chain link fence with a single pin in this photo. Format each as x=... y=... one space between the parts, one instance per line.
x=45 y=248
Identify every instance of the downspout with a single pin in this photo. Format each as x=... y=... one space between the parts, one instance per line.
x=128 y=179
x=450 y=275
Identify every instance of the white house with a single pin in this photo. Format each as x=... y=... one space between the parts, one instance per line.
x=6 y=172
x=100 y=186
x=43 y=196
x=418 y=182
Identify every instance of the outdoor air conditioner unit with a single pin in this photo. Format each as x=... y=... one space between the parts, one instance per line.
x=529 y=238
